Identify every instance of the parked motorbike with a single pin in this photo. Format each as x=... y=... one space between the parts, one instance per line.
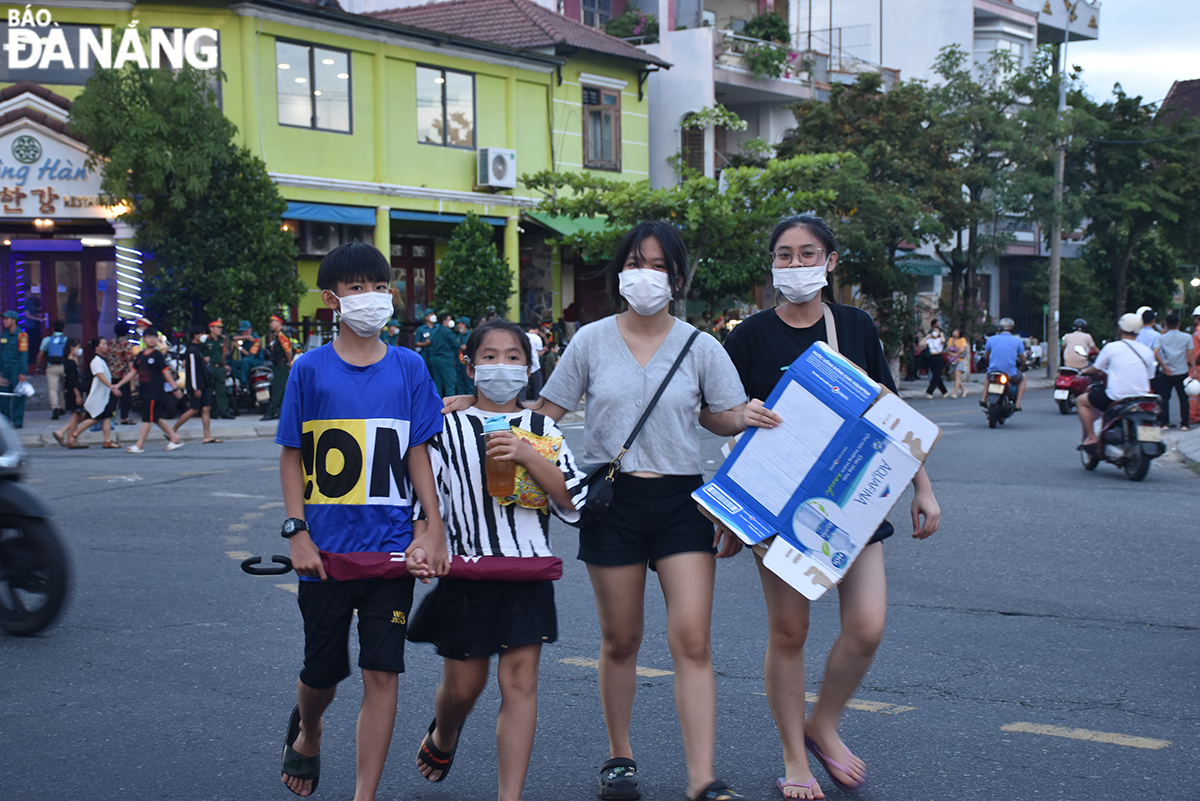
x=1069 y=384
x=1129 y=435
x=1001 y=398
x=34 y=570
x=260 y=385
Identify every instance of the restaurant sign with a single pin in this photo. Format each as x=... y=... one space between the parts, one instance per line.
x=44 y=174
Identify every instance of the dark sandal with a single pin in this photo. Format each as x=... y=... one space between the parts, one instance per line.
x=299 y=766
x=618 y=780
x=435 y=758
x=718 y=791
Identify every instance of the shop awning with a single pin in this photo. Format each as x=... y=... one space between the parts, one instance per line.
x=328 y=213
x=920 y=265
x=567 y=226
x=429 y=216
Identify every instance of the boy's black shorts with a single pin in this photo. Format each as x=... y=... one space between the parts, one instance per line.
x=383 y=606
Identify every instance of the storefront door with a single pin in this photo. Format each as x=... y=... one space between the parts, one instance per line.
x=413 y=277
x=78 y=288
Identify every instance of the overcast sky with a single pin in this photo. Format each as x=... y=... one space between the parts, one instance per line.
x=1145 y=45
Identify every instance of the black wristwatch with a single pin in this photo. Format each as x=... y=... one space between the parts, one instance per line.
x=292 y=526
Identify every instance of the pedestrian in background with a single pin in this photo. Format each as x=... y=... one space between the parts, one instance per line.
x=51 y=357
x=102 y=395
x=120 y=362
x=279 y=352
x=391 y=333
x=1147 y=334
x=533 y=389
x=14 y=365
x=441 y=356
x=153 y=377
x=423 y=336
x=213 y=348
x=1176 y=356
x=462 y=330
x=958 y=356
x=198 y=386
x=72 y=390
x=249 y=353
x=935 y=345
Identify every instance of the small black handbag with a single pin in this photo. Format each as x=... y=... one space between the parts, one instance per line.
x=600 y=476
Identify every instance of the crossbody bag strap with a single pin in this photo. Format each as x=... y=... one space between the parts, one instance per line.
x=1135 y=353
x=616 y=463
x=830 y=327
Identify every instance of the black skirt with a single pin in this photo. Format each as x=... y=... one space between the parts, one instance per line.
x=477 y=618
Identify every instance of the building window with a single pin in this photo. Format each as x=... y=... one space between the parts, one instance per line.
x=596 y=12
x=691 y=148
x=1016 y=48
x=445 y=107
x=601 y=128
x=313 y=85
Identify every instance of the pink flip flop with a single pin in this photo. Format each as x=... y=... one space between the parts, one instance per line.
x=827 y=763
x=810 y=786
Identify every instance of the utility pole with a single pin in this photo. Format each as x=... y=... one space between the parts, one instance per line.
x=1060 y=168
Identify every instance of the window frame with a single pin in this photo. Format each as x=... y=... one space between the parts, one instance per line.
x=608 y=165
x=312 y=102
x=595 y=11
x=445 y=116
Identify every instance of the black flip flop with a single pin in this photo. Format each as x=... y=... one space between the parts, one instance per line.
x=718 y=791
x=296 y=765
x=435 y=758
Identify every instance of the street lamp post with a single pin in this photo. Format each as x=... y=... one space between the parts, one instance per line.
x=1060 y=167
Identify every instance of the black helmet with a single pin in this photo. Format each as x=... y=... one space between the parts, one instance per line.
x=1080 y=324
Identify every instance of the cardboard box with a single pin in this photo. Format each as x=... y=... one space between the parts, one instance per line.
x=826 y=477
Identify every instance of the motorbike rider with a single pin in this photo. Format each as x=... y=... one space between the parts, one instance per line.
x=1006 y=353
x=1129 y=365
x=1079 y=337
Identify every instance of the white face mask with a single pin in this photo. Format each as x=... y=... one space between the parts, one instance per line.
x=501 y=382
x=647 y=291
x=203 y=338
x=800 y=284
x=367 y=312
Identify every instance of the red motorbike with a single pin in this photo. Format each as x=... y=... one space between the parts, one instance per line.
x=1069 y=384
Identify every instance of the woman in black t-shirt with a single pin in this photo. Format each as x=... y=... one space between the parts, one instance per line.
x=803 y=253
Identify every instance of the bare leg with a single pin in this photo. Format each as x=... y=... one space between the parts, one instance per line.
x=687 y=585
x=313 y=703
x=462 y=682
x=376 y=719
x=517 y=724
x=1087 y=414
x=620 y=603
x=783 y=669
x=106 y=427
x=1021 y=392
x=170 y=432
x=188 y=414
x=142 y=434
x=862 y=602
x=205 y=418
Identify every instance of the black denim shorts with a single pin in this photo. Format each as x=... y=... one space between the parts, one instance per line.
x=649 y=519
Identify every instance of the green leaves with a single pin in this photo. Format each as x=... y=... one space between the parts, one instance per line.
x=472 y=278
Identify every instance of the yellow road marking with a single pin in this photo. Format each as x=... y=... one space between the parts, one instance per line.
x=33 y=480
x=272 y=505
x=863 y=706
x=239 y=555
x=205 y=473
x=1085 y=734
x=252 y=516
x=106 y=478
x=294 y=589
x=651 y=673
x=238 y=527
x=234 y=540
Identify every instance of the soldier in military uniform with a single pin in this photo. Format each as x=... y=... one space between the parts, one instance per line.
x=214 y=356
x=14 y=365
x=423 y=336
x=280 y=355
x=462 y=332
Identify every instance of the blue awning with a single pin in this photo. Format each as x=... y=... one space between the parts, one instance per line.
x=328 y=213
x=429 y=216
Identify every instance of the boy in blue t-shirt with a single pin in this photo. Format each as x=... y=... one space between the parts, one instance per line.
x=356 y=417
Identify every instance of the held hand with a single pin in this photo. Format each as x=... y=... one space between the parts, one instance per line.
x=456 y=403
x=431 y=545
x=116 y=392
x=730 y=547
x=22 y=378
x=178 y=394
x=417 y=564
x=306 y=559
x=3 y=382
x=505 y=446
x=759 y=416
x=925 y=505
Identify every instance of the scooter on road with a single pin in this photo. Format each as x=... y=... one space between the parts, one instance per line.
x=1001 y=398
x=1129 y=435
x=1069 y=384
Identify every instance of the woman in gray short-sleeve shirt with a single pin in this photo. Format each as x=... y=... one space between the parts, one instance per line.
x=617 y=364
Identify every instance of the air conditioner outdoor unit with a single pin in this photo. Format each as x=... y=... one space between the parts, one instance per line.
x=498 y=167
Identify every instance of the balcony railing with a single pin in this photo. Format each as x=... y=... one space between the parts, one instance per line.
x=762 y=59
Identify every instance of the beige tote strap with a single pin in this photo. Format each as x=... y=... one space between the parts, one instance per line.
x=830 y=328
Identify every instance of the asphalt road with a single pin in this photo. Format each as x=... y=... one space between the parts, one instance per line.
x=1052 y=602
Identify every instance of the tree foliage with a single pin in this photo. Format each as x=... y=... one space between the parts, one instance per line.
x=472 y=278
x=205 y=209
x=724 y=224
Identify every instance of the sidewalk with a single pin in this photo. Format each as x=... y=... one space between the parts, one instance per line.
x=39 y=428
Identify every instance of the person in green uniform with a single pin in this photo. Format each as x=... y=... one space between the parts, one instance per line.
x=249 y=352
x=214 y=356
x=423 y=336
x=280 y=355
x=443 y=357
x=391 y=332
x=462 y=331
x=14 y=366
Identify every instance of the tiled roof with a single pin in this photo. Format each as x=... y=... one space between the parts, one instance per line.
x=21 y=87
x=1183 y=101
x=324 y=5
x=519 y=24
